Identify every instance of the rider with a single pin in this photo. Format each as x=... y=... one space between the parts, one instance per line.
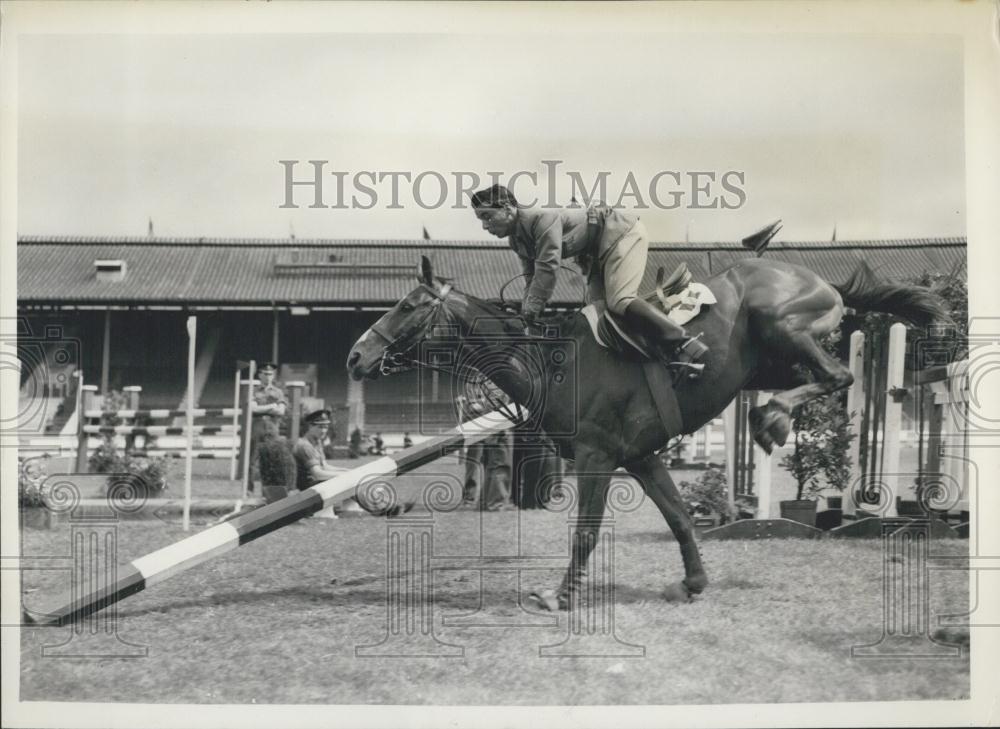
x=616 y=241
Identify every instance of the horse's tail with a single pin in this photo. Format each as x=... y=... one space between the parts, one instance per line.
x=918 y=305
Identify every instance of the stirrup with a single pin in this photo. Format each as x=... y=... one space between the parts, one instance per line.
x=687 y=366
x=694 y=348
x=689 y=370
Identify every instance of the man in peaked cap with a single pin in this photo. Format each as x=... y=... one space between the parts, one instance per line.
x=311 y=464
x=609 y=245
x=270 y=403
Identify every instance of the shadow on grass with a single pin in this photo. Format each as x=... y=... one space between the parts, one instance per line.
x=241 y=598
x=464 y=596
x=287 y=599
x=655 y=535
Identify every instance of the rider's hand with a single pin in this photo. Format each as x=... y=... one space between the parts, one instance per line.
x=530 y=322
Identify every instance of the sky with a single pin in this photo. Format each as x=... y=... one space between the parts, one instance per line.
x=859 y=132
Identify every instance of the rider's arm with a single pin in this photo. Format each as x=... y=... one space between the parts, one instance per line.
x=528 y=267
x=546 y=231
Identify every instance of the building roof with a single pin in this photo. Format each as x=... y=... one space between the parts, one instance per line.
x=254 y=272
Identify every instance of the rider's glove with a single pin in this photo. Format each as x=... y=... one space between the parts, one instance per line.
x=531 y=309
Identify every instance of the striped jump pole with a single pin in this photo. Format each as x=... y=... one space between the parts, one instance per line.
x=212 y=454
x=157 y=430
x=157 y=566
x=164 y=413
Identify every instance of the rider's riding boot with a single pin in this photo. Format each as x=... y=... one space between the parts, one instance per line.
x=676 y=344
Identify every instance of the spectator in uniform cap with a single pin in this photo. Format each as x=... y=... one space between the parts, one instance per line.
x=312 y=466
x=609 y=245
x=269 y=405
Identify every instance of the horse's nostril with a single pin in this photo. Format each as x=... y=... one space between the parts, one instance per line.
x=352 y=358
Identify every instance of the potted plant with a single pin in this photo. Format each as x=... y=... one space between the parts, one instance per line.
x=707 y=499
x=822 y=439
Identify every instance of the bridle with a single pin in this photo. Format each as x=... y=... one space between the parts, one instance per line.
x=395 y=358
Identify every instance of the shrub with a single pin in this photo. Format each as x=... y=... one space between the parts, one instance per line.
x=708 y=495
x=150 y=472
x=822 y=439
x=823 y=435
x=277 y=464
x=30 y=479
x=107 y=458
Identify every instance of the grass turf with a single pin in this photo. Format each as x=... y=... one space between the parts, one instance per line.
x=279 y=621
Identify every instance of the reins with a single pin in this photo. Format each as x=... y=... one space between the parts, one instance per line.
x=397 y=356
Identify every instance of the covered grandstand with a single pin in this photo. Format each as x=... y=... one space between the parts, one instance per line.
x=302 y=303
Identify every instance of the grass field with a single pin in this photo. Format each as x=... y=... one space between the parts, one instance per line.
x=279 y=621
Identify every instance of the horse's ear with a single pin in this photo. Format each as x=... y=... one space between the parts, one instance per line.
x=426 y=274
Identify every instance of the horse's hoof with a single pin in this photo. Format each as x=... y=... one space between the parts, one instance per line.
x=780 y=429
x=677 y=592
x=548 y=600
x=764 y=440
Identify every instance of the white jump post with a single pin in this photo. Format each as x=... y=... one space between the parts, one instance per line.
x=247 y=432
x=955 y=429
x=855 y=404
x=81 y=443
x=192 y=331
x=236 y=424
x=893 y=417
x=762 y=469
x=295 y=390
x=88 y=393
x=132 y=394
x=729 y=426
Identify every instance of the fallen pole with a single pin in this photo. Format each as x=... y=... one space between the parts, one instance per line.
x=203 y=546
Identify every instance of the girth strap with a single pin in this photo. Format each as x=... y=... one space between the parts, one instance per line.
x=661 y=387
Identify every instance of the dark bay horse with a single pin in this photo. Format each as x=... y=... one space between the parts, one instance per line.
x=769 y=316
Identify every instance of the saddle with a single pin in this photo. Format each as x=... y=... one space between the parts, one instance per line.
x=683 y=300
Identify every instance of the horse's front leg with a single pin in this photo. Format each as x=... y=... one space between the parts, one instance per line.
x=659 y=486
x=593 y=473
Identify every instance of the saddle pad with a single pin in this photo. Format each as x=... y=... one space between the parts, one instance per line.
x=687 y=304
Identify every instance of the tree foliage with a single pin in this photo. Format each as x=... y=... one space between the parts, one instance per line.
x=822 y=439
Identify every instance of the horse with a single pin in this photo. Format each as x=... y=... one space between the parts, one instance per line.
x=769 y=315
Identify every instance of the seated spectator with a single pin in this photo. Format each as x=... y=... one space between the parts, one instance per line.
x=311 y=464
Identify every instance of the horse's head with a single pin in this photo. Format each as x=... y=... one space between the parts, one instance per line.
x=391 y=339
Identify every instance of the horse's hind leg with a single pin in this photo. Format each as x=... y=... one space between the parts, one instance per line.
x=797 y=341
x=659 y=486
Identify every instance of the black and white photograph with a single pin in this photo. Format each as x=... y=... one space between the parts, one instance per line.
x=499 y=364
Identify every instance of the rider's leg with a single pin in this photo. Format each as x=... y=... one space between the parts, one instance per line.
x=623 y=266
x=652 y=321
